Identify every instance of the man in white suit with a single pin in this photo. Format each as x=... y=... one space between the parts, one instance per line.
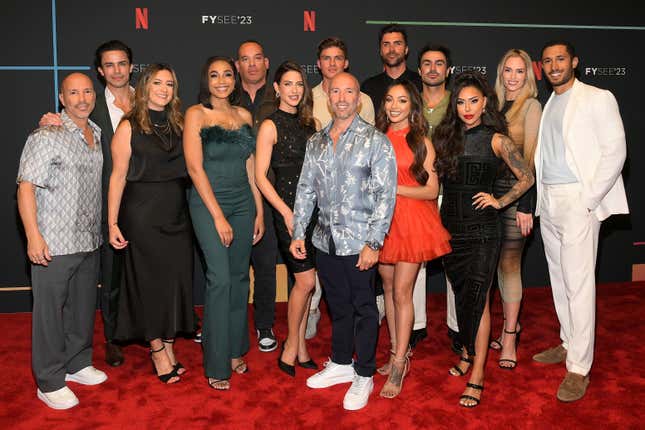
x=579 y=157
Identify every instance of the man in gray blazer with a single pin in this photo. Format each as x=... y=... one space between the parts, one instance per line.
x=578 y=162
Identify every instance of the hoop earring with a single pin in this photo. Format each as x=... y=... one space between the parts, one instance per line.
x=277 y=94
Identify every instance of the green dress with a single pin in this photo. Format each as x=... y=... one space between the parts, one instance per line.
x=225 y=328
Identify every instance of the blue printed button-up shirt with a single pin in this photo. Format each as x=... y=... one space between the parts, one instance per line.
x=354 y=188
x=67 y=176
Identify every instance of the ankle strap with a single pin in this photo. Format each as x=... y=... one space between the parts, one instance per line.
x=169 y=341
x=510 y=332
x=152 y=351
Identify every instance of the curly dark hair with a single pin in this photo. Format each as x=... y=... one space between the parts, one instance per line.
x=448 y=137
x=418 y=128
x=204 y=96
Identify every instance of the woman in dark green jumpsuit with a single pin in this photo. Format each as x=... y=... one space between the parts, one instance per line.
x=226 y=211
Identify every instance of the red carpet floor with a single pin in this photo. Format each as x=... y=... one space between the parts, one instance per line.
x=263 y=398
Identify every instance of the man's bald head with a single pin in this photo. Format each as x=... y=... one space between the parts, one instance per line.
x=344 y=95
x=77 y=95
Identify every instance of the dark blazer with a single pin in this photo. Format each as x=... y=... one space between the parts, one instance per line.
x=101 y=116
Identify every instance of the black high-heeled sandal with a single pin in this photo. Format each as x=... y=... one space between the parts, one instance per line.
x=508 y=360
x=456 y=370
x=289 y=369
x=310 y=364
x=177 y=366
x=479 y=388
x=165 y=377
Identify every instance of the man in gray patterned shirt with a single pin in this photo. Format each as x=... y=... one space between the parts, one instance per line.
x=349 y=172
x=59 y=199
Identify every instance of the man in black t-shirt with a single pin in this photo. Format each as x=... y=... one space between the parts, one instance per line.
x=393 y=47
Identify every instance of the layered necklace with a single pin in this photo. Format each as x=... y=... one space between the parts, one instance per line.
x=162 y=129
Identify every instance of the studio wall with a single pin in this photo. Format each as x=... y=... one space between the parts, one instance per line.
x=46 y=39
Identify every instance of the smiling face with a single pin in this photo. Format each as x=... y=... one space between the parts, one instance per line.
x=291 y=89
x=559 y=67
x=434 y=68
x=161 y=89
x=115 y=68
x=78 y=97
x=397 y=106
x=393 y=49
x=513 y=76
x=221 y=79
x=470 y=106
x=344 y=96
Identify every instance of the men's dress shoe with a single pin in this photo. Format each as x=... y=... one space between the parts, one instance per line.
x=63 y=398
x=312 y=324
x=359 y=393
x=552 y=355
x=87 y=376
x=417 y=336
x=573 y=387
x=332 y=374
x=113 y=354
x=266 y=340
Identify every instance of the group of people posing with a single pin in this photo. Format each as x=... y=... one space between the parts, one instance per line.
x=343 y=181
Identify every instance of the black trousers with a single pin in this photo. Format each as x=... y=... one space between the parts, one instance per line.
x=352 y=305
x=110 y=280
x=264 y=256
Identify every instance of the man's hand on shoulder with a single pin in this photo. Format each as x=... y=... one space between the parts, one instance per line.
x=50 y=119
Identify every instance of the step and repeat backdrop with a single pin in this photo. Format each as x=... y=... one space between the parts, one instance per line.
x=43 y=40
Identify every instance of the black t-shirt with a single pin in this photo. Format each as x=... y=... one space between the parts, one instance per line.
x=376 y=85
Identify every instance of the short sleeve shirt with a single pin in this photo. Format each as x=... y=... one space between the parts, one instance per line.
x=67 y=175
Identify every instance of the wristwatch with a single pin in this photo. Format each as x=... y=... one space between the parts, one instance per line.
x=374 y=245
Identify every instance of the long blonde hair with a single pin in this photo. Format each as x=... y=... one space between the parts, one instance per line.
x=139 y=117
x=529 y=90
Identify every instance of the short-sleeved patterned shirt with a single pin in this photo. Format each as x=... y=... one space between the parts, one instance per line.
x=67 y=176
x=354 y=187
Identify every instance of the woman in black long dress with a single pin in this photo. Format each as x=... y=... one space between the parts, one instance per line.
x=147 y=206
x=280 y=151
x=472 y=144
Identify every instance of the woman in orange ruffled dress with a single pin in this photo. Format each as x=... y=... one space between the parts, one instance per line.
x=416 y=234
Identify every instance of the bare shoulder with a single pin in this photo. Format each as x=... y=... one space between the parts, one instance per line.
x=244 y=114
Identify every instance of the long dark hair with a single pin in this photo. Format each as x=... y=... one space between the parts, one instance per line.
x=306 y=105
x=204 y=96
x=448 y=137
x=418 y=128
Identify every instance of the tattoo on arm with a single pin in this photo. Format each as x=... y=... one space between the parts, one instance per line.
x=520 y=169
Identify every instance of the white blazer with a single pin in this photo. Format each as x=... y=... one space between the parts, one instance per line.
x=595 y=149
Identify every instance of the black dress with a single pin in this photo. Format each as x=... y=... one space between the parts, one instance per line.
x=475 y=233
x=286 y=163
x=155 y=300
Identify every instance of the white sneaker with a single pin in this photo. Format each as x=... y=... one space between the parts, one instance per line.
x=380 y=305
x=312 y=324
x=63 y=398
x=87 y=376
x=332 y=374
x=359 y=393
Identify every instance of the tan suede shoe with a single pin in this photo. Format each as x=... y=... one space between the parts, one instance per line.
x=573 y=387
x=551 y=355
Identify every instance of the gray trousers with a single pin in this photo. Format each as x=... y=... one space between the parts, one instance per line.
x=63 y=317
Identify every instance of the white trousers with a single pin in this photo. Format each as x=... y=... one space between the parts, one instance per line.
x=419 y=299
x=570 y=237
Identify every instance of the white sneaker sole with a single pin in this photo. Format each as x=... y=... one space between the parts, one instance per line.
x=58 y=406
x=358 y=406
x=272 y=348
x=328 y=382
x=83 y=381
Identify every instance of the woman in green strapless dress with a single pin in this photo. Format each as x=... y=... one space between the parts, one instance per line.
x=226 y=210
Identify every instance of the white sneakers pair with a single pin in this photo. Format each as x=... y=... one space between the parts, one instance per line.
x=359 y=392
x=65 y=398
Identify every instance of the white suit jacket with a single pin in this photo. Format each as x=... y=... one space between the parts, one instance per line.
x=595 y=149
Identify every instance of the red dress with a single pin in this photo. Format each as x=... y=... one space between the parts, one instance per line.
x=416 y=234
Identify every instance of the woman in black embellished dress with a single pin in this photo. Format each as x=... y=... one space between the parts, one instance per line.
x=280 y=151
x=472 y=145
